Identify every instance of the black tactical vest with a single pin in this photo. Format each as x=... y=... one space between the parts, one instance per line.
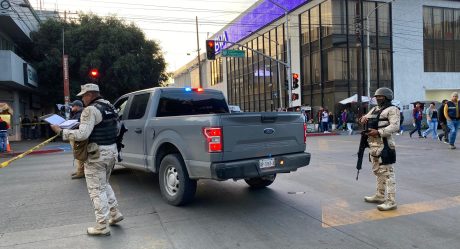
x=105 y=133
x=3 y=125
x=374 y=119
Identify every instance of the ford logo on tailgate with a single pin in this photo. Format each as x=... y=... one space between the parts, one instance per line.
x=269 y=131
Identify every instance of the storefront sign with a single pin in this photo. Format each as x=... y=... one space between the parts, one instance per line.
x=30 y=75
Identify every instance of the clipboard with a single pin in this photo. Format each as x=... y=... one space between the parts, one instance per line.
x=55 y=119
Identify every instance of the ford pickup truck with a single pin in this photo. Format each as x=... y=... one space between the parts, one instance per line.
x=185 y=134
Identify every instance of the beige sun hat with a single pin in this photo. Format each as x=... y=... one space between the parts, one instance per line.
x=90 y=87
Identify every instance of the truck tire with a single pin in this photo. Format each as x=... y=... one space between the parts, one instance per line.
x=176 y=187
x=260 y=182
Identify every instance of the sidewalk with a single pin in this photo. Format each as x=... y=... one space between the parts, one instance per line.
x=19 y=147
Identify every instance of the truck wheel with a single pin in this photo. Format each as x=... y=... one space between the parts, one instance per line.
x=175 y=185
x=260 y=182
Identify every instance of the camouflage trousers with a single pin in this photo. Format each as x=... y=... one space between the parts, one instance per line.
x=386 y=181
x=97 y=181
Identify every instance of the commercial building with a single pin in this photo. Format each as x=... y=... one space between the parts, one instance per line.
x=414 y=49
x=18 y=79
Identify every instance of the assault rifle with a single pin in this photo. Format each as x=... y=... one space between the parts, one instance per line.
x=120 y=144
x=363 y=144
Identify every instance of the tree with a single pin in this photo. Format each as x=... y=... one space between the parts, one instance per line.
x=126 y=60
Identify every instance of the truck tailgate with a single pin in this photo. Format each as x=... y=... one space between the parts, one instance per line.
x=252 y=135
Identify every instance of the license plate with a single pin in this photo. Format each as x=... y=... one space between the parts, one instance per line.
x=267 y=163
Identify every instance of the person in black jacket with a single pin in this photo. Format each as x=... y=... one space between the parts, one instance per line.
x=443 y=123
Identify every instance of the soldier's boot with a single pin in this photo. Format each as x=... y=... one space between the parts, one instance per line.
x=77 y=175
x=389 y=204
x=115 y=216
x=99 y=229
x=377 y=198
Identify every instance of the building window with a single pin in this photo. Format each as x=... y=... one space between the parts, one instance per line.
x=253 y=81
x=330 y=50
x=216 y=71
x=441 y=33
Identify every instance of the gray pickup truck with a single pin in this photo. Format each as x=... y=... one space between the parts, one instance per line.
x=186 y=134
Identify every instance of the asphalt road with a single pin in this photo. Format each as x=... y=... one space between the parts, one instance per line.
x=320 y=206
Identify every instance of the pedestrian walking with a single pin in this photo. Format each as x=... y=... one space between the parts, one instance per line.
x=99 y=126
x=25 y=123
x=330 y=120
x=34 y=128
x=77 y=109
x=325 y=120
x=417 y=115
x=452 y=114
x=432 y=120
x=4 y=126
x=443 y=137
x=350 y=121
x=343 y=119
x=383 y=122
x=319 y=116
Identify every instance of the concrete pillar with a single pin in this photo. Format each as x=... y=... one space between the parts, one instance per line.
x=16 y=136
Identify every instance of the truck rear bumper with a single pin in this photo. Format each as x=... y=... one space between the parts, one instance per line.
x=250 y=168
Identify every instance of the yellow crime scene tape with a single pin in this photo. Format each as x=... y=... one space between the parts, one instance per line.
x=6 y=163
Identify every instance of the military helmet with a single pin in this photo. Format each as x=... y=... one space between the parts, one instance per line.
x=384 y=91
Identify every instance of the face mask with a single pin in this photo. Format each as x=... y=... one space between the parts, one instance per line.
x=381 y=102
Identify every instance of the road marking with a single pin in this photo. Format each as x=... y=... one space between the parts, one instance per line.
x=340 y=214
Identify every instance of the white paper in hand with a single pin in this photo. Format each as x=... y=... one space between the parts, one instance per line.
x=58 y=120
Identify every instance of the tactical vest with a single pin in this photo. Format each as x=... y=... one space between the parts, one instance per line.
x=374 y=119
x=105 y=133
x=3 y=126
x=452 y=110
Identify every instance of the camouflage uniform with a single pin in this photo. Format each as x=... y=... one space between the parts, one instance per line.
x=385 y=173
x=98 y=167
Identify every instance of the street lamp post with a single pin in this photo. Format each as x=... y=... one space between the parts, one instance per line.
x=369 y=47
x=288 y=51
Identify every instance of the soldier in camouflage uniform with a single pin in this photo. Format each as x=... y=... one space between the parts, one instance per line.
x=383 y=122
x=98 y=124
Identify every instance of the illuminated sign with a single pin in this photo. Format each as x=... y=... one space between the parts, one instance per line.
x=260 y=16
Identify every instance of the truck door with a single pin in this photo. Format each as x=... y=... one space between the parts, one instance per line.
x=134 y=153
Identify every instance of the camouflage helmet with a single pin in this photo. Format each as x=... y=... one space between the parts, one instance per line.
x=384 y=91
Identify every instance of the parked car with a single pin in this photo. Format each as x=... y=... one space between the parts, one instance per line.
x=185 y=135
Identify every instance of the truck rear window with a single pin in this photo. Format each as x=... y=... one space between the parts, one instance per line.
x=190 y=103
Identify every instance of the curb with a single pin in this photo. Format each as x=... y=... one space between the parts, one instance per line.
x=38 y=152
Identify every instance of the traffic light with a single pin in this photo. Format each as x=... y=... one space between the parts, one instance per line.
x=295 y=81
x=94 y=73
x=295 y=96
x=211 y=49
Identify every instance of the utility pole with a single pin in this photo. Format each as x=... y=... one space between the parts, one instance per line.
x=65 y=71
x=368 y=46
x=198 y=51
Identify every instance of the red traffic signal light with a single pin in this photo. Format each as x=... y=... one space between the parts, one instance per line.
x=295 y=81
x=94 y=73
x=211 y=49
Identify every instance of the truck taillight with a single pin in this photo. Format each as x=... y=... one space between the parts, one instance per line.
x=304 y=133
x=213 y=137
